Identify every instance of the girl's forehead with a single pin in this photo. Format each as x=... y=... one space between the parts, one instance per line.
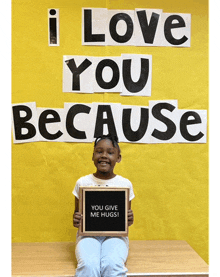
x=104 y=142
x=107 y=144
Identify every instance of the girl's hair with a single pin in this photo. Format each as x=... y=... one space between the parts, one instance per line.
x=114 y=140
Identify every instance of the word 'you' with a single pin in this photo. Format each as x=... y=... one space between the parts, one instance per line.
x=128 y=74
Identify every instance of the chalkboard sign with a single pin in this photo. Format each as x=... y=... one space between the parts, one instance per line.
x=104 y=211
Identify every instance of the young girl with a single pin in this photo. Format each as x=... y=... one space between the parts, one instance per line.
x=102 y=256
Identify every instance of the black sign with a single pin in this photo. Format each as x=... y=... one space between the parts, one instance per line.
x=104 y=211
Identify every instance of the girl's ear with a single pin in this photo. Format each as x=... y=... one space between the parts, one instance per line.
x=119 y=158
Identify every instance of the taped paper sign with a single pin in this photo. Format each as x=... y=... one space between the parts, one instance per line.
x=161 y=122
x=129 y=74
x=140 y=27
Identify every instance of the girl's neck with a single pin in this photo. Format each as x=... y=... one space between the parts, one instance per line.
x=104 y=176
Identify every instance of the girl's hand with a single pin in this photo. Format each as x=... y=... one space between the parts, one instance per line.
x=77 y=217
x=130 y=217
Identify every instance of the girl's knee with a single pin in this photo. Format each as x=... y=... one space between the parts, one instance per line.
x=111 y=266
x=88 y=267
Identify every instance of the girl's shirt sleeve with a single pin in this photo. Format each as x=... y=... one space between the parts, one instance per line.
x=131 y=196
x=76 y=189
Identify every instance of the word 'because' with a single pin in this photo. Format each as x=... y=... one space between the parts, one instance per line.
x=161 y=122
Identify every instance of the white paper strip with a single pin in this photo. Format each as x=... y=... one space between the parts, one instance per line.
x=162 y=122
x=139 y=27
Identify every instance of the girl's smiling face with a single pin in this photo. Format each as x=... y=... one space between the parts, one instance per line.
x=105 y=156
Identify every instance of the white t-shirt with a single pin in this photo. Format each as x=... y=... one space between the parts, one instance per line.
x=91 y=180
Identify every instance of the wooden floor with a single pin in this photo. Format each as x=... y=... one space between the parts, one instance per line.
x=146 y=258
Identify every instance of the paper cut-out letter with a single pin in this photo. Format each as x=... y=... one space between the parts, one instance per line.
x=53 y=17
x=73 y=111
x=88 y=36
x=170 y=25
x=22 y=122
x=126 y=125
x=45 y=118
x=148 y=30
x=113 y=30
x=100 y=121
x=77 y=71
x=116 y=74
x=171 y=127
x=184 y=121
x=130 y=85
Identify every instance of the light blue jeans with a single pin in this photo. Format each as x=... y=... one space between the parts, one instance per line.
x=101 y=256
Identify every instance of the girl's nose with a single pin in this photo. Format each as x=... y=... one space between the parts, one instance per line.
x=104 y=154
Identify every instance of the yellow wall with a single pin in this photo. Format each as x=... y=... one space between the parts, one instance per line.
x=170 y=180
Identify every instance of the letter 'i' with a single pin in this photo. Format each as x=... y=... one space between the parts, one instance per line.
x=53 y=27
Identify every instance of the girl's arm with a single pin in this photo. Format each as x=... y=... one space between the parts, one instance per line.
x=77 y=216
x=130 y=215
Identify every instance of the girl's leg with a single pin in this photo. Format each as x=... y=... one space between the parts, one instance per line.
x=88 y=251
x=113 y=257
